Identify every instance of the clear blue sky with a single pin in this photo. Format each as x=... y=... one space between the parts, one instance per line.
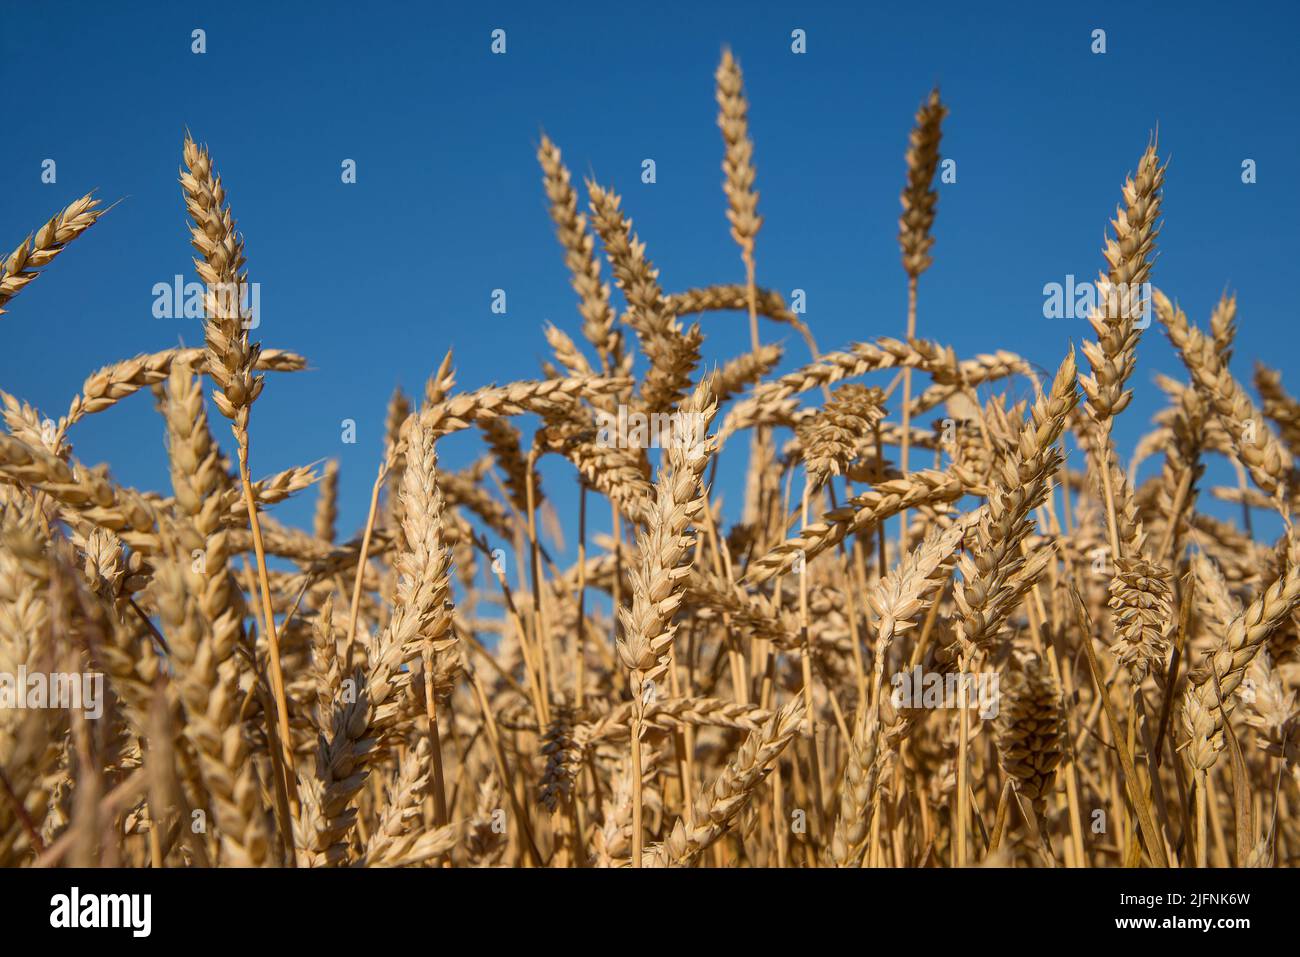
x=374 y=281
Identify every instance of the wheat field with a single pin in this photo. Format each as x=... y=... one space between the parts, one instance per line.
x=944 y=628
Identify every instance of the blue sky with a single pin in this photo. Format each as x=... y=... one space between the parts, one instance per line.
x=373 y=281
